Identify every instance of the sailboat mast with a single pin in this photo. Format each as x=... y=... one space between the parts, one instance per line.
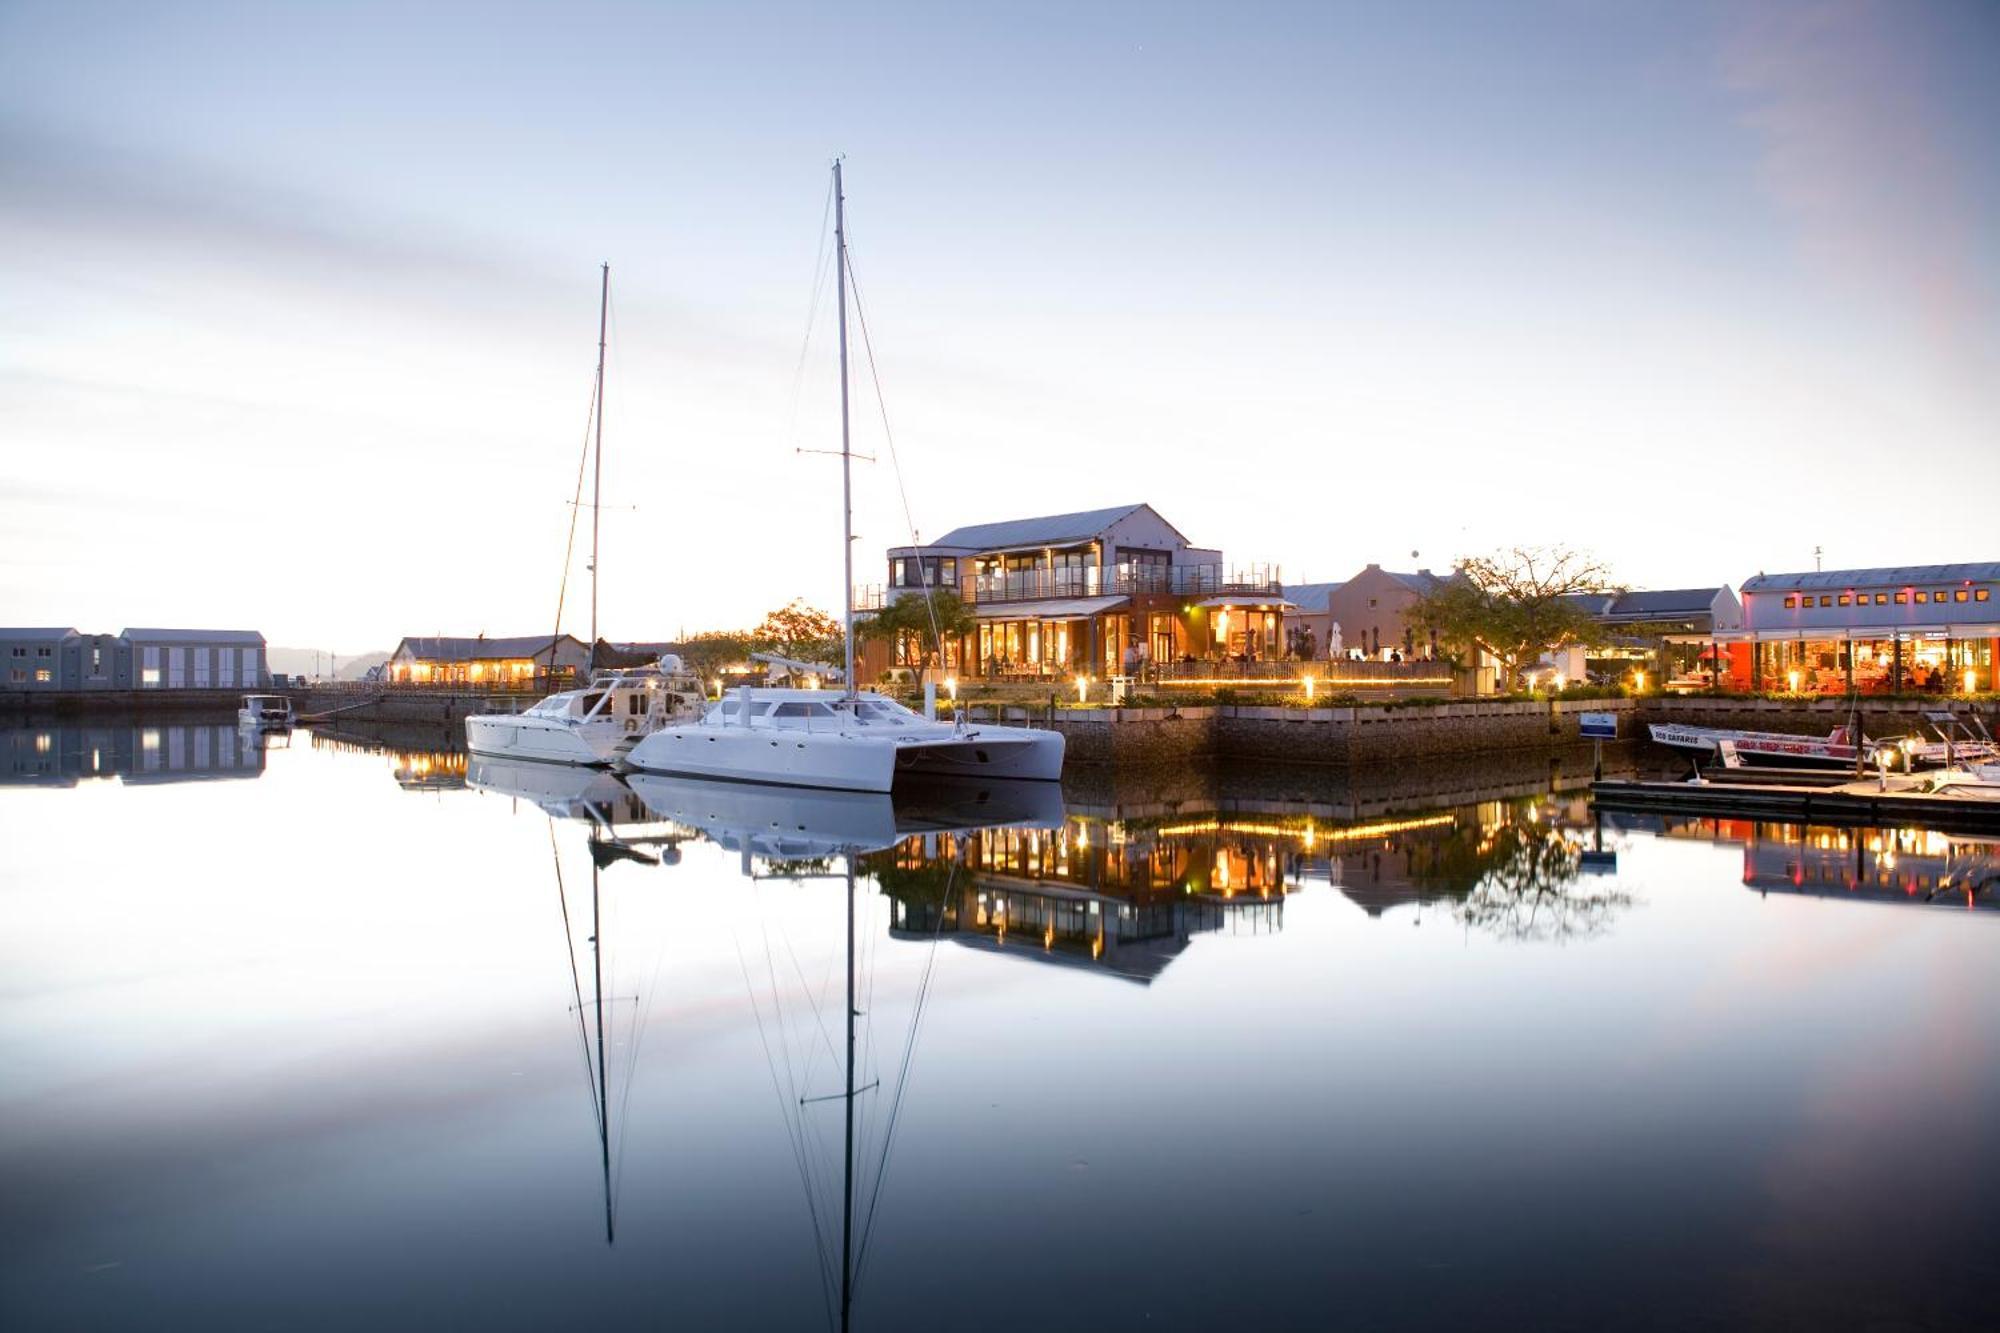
x=603 y=1091
x=597 y=466
x=846 y=456
x=847 y=1176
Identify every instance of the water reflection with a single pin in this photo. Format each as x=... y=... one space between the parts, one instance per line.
x=553 y=1045
x=63 y=754
x=1910 y=866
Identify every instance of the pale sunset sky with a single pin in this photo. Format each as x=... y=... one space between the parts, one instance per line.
x=298 y=303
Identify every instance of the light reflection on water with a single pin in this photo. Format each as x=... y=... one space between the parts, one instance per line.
x=389 y=1035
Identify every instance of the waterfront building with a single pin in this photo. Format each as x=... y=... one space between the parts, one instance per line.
x=1084 y=594
x=1669 y=634
x=479 y=660
x=33 y=658
x=1373 y=612
x=1924 y=628
x=1314 y=631
x=142 y=659
x=193 y=659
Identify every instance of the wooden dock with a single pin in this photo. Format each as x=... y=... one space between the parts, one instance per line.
x=1853 y=803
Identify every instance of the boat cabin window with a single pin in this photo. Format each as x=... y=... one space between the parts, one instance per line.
x=801 y=709
x=730 y=708
x=588 y=702
x=876 y=710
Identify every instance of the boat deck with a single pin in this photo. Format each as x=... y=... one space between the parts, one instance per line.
x=1862 y=802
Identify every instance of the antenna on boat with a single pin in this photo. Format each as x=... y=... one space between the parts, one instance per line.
x=846 y=465
x=597 y=465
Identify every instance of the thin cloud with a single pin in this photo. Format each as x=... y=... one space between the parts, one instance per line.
x=1856 y=152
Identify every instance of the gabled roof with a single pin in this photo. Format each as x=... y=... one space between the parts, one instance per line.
x=1048 y=530
x=479 y=648
x=246 y=637
x=1310 y=597
x=1420 y=582
x=35 y=635
x=1663 y=603
x=1888 y=576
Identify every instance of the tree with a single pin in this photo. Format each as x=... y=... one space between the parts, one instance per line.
x=1516 y=604
x=799 y=631
x=708 y=652
x=906 y=620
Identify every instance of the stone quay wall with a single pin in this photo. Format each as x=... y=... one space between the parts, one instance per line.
x=1341 y=736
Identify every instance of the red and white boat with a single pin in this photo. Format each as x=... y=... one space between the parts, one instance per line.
x=1765 y=748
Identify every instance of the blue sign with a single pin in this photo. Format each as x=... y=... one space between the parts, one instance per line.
x=1597 y=726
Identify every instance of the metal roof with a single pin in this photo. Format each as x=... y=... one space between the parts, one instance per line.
x=446 y=648
x=1421 y=581
x=1048 y=530
x=1311 y=597
x=1657 y=603
x=1888 y=576
x=1064 y=608
x=31 y=635
x=1249 y=601
x=242 y=636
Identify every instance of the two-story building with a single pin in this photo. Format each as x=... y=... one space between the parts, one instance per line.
x=1095 y=593
x=1930 y=628
x=137 y=659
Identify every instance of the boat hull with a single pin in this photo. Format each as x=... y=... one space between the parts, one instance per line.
x=517 y=736
x=844 y=762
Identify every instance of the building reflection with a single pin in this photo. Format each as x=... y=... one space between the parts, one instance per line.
x=1885 y=865
x=419 y=758
x=64 y=754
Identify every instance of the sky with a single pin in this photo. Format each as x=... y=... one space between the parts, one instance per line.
x=299 y=303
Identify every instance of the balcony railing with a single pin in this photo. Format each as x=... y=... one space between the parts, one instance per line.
x=1030 y=585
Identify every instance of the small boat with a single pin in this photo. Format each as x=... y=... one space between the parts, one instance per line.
x=1974 y=782
x=598 y=724
x=1761 y=748
x=265 y=711
x=1953 y=740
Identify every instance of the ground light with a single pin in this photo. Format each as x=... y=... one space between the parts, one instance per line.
x=1083 y=689
x=1638 y=680
x=1307 y=681
x=1793 y=678
x=1971 y=680
x=951 y=688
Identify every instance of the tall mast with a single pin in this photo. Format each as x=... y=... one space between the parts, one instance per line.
x=603 y=1091
x=597 y=467
x=847 y=1176
x=846 y=457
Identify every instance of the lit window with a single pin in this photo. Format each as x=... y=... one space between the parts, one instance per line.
x=1923 y=597
x=1940 y=595
x=1826 y=599
x=1791 y=602
x=150 y=676
x=1881 y=599
x=1979 y=595
x=1958 y=596
x=1902 y=599
x=43 y=675
x=1846 y=600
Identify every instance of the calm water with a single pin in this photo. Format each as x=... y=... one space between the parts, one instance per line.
x=334 y=1036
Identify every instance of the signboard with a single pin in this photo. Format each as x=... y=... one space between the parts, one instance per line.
x=1597 y=726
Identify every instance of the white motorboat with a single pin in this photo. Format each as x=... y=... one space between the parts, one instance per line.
x=597 y=724
x=262 y=711
x=851 y=741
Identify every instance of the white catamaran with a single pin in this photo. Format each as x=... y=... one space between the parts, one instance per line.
x=600 y=722
x=851 y=741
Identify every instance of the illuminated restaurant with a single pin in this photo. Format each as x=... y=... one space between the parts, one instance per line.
x=1931 y=629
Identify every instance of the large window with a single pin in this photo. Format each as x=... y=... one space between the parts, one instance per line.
x=920 y=571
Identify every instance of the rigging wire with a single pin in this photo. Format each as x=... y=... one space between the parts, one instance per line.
x=918 y=1007
x=575 y=509
x=895 y=460
x=815 y=301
